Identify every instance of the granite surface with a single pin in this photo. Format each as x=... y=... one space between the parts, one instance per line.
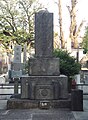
x=43 y=34
x=44 y=66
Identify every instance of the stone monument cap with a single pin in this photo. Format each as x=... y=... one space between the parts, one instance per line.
x=43 y=11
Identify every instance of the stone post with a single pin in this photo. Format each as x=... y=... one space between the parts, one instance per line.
x=16 y=72
x=16 y=85
x=43 y=34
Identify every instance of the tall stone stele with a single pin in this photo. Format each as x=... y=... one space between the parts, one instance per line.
x=44 y=81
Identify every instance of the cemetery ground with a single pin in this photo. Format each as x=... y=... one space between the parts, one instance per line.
x=42 y=114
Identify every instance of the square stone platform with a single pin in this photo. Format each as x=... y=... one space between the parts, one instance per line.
x=50 y=90
x=44 y=87
x=14 y=103
x=44 y=66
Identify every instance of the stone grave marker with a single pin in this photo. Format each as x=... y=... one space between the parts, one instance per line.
x=44 y=85
x=16 y=67
x=44 y=80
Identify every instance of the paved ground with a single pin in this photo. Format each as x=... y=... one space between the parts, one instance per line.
x=37 y=114
x=84 y=114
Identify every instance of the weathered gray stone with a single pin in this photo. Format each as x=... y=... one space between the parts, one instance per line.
x=44 y=82
x=37 y=84
x=76 y=100
x=43 y=34
x=44 y=92
x=17 y=54
x=16 y=85
x=30 y=104
x=44 y=66
x=16 y=66
x=24 y=88
x=21 y=104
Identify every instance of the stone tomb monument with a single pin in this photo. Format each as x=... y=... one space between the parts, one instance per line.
x=44 y=82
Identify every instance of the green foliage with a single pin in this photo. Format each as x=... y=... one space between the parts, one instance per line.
x=5 y=40
x=85 y=50
x=68 y=64
x=17 y=18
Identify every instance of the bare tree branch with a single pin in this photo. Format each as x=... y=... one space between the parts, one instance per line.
x=79 y=29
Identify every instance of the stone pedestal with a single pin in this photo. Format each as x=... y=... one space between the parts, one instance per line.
x=44 y=87
x=44 y=66
x=76 y=100
x=32 y=104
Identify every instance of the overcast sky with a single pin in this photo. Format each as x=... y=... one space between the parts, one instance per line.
x=82 y=14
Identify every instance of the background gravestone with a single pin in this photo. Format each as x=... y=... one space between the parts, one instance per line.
x=16 y=72
x=17 y=54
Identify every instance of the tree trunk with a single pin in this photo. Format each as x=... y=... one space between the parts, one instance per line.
x=73 y=26
x=60 y=23
x=74 y=32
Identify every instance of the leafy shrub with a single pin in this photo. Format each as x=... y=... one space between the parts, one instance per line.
x=68 y=64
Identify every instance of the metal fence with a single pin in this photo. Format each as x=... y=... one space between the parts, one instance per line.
x=83 y=87
x=7 y=90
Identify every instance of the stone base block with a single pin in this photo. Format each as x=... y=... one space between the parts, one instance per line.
x=44 y=66
x=30 y=104
x=21 y=104
x=77 y=100
x=44 y=87
x=61 y=103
